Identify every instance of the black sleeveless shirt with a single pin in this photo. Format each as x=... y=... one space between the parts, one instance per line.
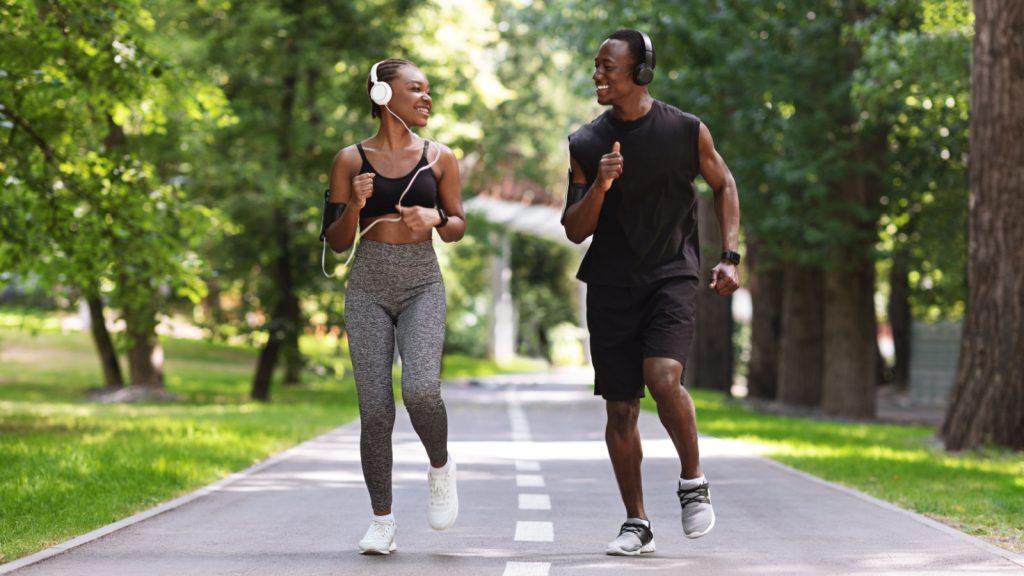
x=647 y=229
x=387 y=190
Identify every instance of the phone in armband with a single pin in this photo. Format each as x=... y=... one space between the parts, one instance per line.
x=332 y=211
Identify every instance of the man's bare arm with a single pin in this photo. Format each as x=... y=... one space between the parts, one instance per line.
x=580 y=219
x=724 y=278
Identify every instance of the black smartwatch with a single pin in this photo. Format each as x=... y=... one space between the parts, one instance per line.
x=730 y=256
x=444 y=217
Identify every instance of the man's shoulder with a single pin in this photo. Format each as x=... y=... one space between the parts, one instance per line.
x=674 y=112
x=590 y=128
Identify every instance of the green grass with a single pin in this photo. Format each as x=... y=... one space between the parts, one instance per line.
x=980 y=493
x=457 y=367
x=68 y=466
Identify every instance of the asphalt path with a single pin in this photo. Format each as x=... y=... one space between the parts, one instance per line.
x=537 y=498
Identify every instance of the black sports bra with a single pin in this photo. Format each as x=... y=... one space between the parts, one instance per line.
x=386 y=191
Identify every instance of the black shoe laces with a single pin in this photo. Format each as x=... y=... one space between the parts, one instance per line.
x=698 y=495
x=638 y=529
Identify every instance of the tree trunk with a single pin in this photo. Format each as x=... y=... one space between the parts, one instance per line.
x=281 y=319
x=145 y=356
x=765 y=325
x=710 y=365
x=851 y=346
x=292 y=356
x=899 y=318
x=284 y=322
x=988 y=399
x=801 y=344
x=851 y=331
x=112 y=377
x=293 y=361
x=265 y=368
x=292 y=311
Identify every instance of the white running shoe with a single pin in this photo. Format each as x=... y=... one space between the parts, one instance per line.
x=379 y=539
x=634 y=538
x=443 y=502
x=698 y=515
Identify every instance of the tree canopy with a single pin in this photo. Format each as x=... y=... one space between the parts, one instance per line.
x=161 y=153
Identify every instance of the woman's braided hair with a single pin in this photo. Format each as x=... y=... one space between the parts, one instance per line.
x=386 y=71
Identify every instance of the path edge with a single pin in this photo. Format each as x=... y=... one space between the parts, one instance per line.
x=168 y=506
x=1011 y=556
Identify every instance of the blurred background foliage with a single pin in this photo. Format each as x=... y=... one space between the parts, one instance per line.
x=169 y=156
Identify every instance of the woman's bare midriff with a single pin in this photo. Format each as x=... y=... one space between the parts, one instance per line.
x=391 y=232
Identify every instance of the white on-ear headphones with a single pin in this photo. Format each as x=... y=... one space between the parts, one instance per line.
x=380 y=92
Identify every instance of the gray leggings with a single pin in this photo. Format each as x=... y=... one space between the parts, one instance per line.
x=396 y=286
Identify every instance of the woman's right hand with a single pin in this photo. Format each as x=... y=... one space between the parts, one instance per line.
x=362 y=188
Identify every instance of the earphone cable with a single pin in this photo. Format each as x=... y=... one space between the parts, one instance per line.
x=355 y=243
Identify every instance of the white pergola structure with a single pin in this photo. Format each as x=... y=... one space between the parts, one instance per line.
x=539 y=220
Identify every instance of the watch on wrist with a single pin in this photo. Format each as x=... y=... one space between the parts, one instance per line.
x=730 y=256
x=444 y=217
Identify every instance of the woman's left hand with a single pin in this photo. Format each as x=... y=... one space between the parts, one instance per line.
x=418 y=218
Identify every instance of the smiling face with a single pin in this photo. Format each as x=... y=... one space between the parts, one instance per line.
x=613 y=72
x=411 y=100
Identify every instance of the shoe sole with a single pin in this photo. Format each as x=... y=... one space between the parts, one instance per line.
x=449 y=524
x=377 y=551
x=645 y=549
x=695 y=535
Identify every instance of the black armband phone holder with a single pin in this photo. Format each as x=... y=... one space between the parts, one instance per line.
x=332 y=211
x=574 y=194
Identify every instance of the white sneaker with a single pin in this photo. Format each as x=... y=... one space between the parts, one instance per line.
x=443 y=502
x=379 y=539
x=698 y=515
x=635 y=538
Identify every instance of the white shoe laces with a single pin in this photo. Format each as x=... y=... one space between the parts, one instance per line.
x=381 y=529
x=440 y=495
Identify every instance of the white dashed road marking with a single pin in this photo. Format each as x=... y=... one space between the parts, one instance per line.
x=534 y=502
x=535 y=531
x=526 y=569
x=528 y=531
x=527 y=466
x=529 y=480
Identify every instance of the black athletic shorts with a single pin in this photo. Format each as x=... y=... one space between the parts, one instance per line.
x=630 y=324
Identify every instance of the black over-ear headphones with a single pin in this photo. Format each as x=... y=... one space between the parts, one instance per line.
x=643 y=72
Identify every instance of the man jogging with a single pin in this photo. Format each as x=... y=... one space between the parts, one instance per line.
x=631 y=188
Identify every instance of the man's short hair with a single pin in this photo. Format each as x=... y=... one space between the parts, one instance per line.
x=636 y=44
